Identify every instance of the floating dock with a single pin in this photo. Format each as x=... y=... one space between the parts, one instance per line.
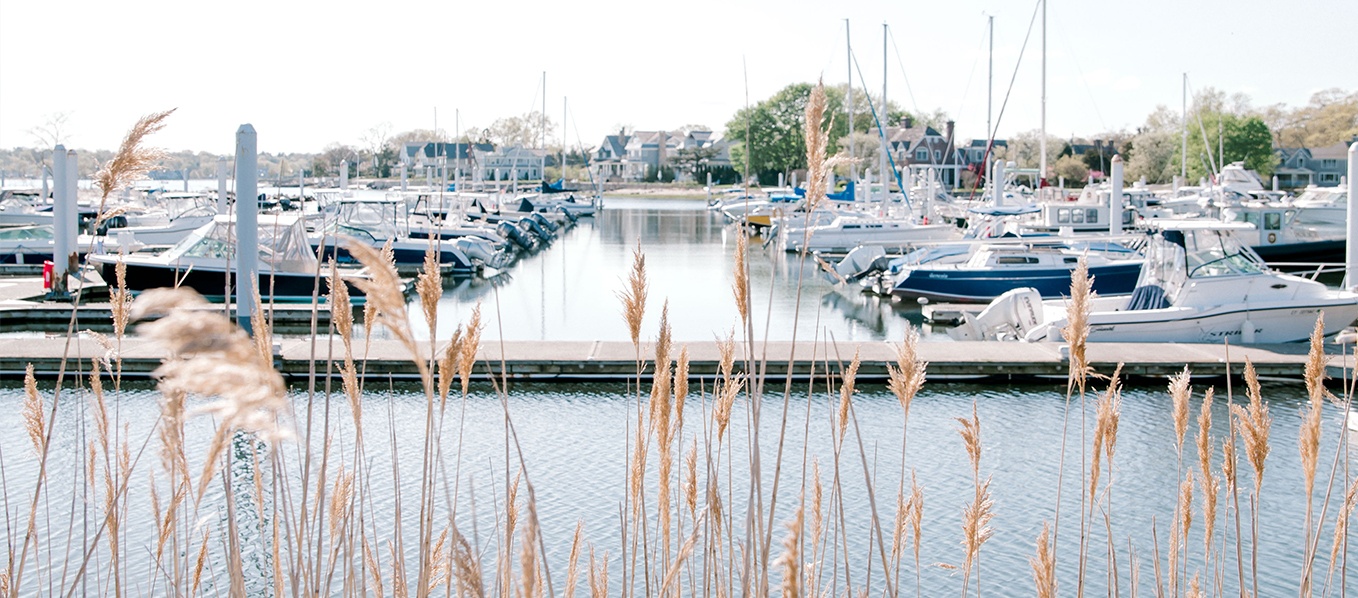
x=297 y=359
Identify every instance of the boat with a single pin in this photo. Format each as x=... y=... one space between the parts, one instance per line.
x=991 y=269
x=1200 y=284
x=380 y=222
x=845 y=233
x=205 y=261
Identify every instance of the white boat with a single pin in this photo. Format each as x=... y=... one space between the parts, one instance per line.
x=1200 y=284
x=845 y=233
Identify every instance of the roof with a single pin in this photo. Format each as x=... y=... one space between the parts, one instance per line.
x=1338 y=151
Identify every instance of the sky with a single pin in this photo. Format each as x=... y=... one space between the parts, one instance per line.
x=310 y=74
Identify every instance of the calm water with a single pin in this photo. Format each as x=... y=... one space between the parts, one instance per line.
x=574 y=437
x=569 y=291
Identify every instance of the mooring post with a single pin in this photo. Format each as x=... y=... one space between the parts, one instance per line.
x=344 y=175
x=997 y=183
x=1115 y=198
x=61 y=243
x=1351 y=249
x=404 y=176
x=222 y=166
x=247 y=223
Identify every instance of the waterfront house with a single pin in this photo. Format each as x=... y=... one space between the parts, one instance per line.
x=916 y=146
x=458 y=158
x=509 y=163
x=1302 y=166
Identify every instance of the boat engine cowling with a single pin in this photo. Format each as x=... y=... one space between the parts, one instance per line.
x=533 y=227
x=861 y=261
x=542 y=220
x=515 y=235
x=1011 y=316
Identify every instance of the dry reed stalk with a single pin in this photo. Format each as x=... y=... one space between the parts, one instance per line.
x=916 y=517
x=1179 y=393
x=906 y=377
x=1108 y=409
x=791 y=559
x=598 y=575
x=120 y=300
x=726 y=398
x=1195 y=588
x=33 y=412
x=976 y=528
x=740 y=288
x=845 y=394
x=1044 y=564
x=471 y=345
x=132 y=161
x=971 y=438
x=633 y=296
x=466 y=568
x=374 y=569
x=680 y=387
x=448 y=364
x=573 y=561
x=1341 y=522
x=691 y=481
x=341 y=499
x=429 y=286
x=817 y=138
x=1254 y=423
x=399 y=589
x=199 y=562
x=386 y=306
x=215 y=359
x=437 y=564
x=528 y=556
x=1076 y=330
x=899 y=525
x=1178 y=538
x=1208 y=481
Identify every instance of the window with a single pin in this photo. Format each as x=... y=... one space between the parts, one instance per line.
x=1329 y=177
x=1273 y=221
x=1092 y=216
x=1063 y=216
x=1077 y=216
x=938 y=155
x=1329 y=163
x=921 y=154
x=1015 y=259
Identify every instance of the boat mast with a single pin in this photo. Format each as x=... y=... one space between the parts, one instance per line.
x=1042 y=139
x=990 y=84
x=542 y=141
x=882 y=120
x=1183 y=155
x=848 y=44
x=563 y=140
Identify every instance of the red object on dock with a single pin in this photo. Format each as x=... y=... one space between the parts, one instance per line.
x=48 y=269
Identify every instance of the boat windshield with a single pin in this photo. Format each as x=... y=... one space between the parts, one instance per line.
x=369 y=219
x=282 y=244
x=1212 y=253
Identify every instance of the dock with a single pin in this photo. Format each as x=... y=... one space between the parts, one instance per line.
x=297 y=358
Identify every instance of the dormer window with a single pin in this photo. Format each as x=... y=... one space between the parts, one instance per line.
x=921 y=154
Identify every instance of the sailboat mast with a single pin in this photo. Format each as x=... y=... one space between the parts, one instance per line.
x=1183 y=154
x=881 y=121
x=542 y=130
x=848 y=44
x=990 y=84
x=1042 y=139
x=563 y=138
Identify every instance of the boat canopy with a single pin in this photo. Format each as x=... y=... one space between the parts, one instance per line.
x=282 y=243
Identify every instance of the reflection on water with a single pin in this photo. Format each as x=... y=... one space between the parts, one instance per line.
x=569 y=290
x=574 y=441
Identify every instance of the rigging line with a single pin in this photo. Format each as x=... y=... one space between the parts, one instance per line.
x=1074 y=57
x=881 y=134
x=990 y=143
x=1197 y=113
x=966 y=90
x=901 y=65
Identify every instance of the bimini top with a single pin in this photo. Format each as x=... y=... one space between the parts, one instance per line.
x=1197 y=224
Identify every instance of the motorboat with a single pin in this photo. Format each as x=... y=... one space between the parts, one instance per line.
x=205 y=261
x=993 y=268
x=1200 y=283
x=845 y=233
x=378 y=222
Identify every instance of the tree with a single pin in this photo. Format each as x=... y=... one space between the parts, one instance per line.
x=1072 y=168
x=522 y=131
x=375 y=140
x=1155 y=157
x=1023 y=149
x=690 y=159
x=1330 y=117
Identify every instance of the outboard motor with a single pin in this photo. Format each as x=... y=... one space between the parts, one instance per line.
x=515 y=235
x=537 y=229
x=1011 y=316
x=862 y=261
x=485 y=252
x=567 y=213
x=542 y=220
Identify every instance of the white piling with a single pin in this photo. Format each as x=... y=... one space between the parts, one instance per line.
x=1115 y=198
x=780 y=180
x=404 y=178
x=222 y=176
x=61 y=245
x=929 y=201
x=247 y=223
x=344 y=175
x=709 y=187
x=301 y=183
x=997 y=183
x=1351 y=249
x=1275 y=182
x=185 y=174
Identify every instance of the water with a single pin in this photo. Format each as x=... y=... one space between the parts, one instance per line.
x=570 y=290
x=574 y=451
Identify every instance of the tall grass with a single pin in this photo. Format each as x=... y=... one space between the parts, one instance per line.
x=287 y=499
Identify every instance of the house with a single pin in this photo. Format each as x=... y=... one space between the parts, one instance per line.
x=611 y=157
x=916 y=146
x=975 y=151
x=510 y=163
x=1302 y=166
x=459 y=158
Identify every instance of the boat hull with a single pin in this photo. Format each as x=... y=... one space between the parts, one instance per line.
x=1277 y=323
x=218 y=284
x=981 y=286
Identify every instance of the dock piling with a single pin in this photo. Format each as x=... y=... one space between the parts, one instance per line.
x=1115 y=198
x=247 y=222
x=62 y=242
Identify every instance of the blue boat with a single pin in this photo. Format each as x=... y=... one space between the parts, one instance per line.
x=992 y=269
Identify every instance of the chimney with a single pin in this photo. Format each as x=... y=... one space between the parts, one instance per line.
x=907 y=121
x=948 y=128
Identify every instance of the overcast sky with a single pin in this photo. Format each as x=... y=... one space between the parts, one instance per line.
x=307 y=74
